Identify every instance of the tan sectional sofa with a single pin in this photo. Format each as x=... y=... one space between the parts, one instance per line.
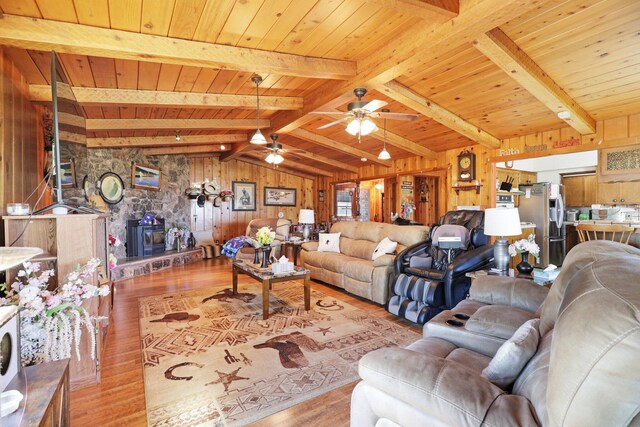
x=352 y=269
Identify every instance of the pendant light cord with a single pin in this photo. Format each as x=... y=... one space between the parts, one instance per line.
x=258 y=103
x=384 y=141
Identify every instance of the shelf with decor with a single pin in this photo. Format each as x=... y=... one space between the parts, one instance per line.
x=458 y=188
x=69 y=241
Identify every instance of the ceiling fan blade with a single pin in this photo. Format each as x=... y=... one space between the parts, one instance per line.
x=395 y=116
x=374 y=105
x=330 y=113
x=335 y=122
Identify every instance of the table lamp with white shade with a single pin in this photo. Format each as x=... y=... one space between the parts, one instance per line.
x=501 y=222
x=307 y=218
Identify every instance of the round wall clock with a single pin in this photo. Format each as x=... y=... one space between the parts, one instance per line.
x=111 y=187
x=466 y=166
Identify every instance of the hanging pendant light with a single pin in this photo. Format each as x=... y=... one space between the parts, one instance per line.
x=257 y=137
x=384 y=154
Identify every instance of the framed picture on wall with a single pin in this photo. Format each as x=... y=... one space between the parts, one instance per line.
x=145 y=177
x=244 y=196
x=321 y=195
x=279 y=196
x=68 y=173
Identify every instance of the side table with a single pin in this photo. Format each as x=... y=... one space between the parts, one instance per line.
x=511 y=273
x=294 y=247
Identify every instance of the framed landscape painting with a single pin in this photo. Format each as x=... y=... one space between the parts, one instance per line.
x=68 y=174
x=244 y=196
x=279 y=196
x=145 y=177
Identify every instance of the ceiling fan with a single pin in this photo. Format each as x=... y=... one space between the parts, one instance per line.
x=276 y=151
x=359 y=114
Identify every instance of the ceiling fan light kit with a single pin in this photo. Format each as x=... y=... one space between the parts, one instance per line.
x=274 y=157
x=359 y=114
x=257 y=137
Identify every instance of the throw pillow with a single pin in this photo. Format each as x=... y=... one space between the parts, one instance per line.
x=386 y=246
x=513 y=355
x=329 y=242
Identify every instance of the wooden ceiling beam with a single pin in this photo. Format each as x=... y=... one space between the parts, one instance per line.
x=338 y=146
x=74 y=138
x=282 y=168
x=238 y=150
x=63 y=37
x=317 y=158
x=503 y=52
x=175 y=151
x=414 y=49
x=422 y=105
x=288 y=165
x=429 y=10
x=173 y=124
x=166 y=140
x=89 y=96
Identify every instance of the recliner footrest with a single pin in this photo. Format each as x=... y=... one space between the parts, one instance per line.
x=415 y=298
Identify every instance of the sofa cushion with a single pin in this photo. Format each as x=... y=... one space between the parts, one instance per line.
x=337 y=262
x=329 y=242
x=513 y=355
x=498 y=320
x=386 y=246
x=314 y=259
x=359 y=269
x=357 y=248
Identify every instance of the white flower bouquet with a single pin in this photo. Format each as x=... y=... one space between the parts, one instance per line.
x=525 y=245
x=265 y=236
x=51 y=322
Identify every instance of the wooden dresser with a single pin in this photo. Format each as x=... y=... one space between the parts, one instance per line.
x=45 y=388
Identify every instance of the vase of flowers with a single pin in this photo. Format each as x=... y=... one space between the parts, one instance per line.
x=265 y=237
x=525 y=247
x=51 y=322
x=177 y=236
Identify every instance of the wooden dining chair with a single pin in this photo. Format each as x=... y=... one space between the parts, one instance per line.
x=615 y=232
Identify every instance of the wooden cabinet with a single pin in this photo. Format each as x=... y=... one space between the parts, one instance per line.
x=45 y=388
x=70 y=240
x=580 y=190
x=619 y=193
x=519 y=177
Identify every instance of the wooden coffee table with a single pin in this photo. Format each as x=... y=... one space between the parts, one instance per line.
x=267 y=278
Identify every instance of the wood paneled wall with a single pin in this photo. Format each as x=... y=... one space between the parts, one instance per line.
x=611 y=132
x=18 y=145
x=226 y=223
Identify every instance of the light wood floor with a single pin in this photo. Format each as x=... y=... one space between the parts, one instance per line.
x=119 y=399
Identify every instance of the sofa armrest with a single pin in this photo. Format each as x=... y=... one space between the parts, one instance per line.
x=443 y=388
x=310 y=246
x=384 y=260
x=520 y=293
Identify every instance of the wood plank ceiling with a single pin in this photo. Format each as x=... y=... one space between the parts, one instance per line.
x=504 y=68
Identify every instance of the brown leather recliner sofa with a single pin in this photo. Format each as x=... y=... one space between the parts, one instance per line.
x=584 y=371
x=352 y=269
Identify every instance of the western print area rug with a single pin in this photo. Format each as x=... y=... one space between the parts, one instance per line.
x=210 y=360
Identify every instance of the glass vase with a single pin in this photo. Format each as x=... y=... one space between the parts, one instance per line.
x=524 y=267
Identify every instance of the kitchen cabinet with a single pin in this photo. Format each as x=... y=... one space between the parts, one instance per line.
x=580 y=190
x=618 y=193
x=519 y=177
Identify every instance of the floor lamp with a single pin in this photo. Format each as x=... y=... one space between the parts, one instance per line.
x=501 y=222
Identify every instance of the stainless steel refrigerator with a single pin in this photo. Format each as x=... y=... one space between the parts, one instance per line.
x=543 y=204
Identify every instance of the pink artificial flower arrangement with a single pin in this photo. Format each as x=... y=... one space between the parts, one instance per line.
x=51 y=322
